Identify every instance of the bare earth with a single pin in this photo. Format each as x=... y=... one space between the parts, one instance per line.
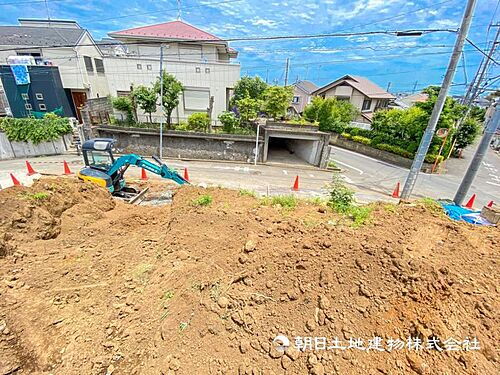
x=90 y=285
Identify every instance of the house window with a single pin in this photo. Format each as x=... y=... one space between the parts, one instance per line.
x=39 y=96
x=207 y=70
x=28 y=106
x=24 y=96
x=42 y=107
x=345 y=98
x=295 y=99
x=139 y=66
x=367 y=104
x=99 y=65
x=88 y=64
x=198 y=69
x=149 y=67
x=122 y=93
x=196 y=99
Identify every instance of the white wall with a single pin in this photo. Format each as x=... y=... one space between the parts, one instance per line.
x=123 y=71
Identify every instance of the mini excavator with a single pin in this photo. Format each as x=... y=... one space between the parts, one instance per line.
x=102 y=168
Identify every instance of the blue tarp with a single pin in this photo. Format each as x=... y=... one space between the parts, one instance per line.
x=460 y=213
x=21 y=74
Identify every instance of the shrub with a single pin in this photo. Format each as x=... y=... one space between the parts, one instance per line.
x=276 y=100
x=358 y=131
x=395 y=150
x=341 y=197
x=332 y=115
x=198 y=121
x=229 y=121
x=363 y=140
x=46 y=129
x=248 y=108
x=346 y=135
x=431 y=158
x=285 y=201
x=182 y=126
x=124 y=104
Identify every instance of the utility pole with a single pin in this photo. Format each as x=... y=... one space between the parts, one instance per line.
x=287 y=67
x=438 y=107
x=388 y=86
x=161 y=100
x=414 y=87
x=267 y=75
x=475 y=163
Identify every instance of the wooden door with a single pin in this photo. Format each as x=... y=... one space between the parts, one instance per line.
x=79 y=100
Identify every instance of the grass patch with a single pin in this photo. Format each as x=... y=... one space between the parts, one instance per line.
x=141 y=272
x=389 y=207
x=203 y=200
x=284 y=201
x=332 y=164
x=183 y=325
x=360 y=215
x=35 y=196
x=430 y=204
x=167 y=296
x=247 y=193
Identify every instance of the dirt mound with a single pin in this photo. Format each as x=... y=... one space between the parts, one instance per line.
x=204 y=286
x=30 y=213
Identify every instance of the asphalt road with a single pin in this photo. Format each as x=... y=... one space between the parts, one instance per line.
x=380 y=177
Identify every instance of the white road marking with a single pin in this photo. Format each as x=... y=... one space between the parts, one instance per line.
x=285 y=172
x=311 y=175
x=347 y=179
x=492 y=183
x=370 y=158
x=349 y=166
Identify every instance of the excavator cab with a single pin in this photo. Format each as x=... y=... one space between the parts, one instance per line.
x=98 y=158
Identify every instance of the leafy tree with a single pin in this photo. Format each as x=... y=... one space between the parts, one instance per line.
x=276 y=100
x=198 y=121
x=229 y=121
x=248 y=108
x=124 y=104
x=331 y=114
x=253 y=87
x=467 y=133
x=146 y=98
x=172 y=89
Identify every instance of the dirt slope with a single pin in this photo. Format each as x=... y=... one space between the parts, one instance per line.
x=107 y=288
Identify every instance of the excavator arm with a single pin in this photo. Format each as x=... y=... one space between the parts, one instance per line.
x=160 y=169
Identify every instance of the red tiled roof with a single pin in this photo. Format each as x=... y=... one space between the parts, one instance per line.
x=177 y=30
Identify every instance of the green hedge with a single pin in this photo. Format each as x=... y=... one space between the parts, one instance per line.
x=33 y=130
x=395 y=150
x=363 y=140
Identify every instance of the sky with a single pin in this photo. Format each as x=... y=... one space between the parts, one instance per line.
x=404 y=63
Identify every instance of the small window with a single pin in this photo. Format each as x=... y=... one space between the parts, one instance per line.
x=345 y=98
x=42 y=107
x=149 y=67
x=99 y=65
x=295 y=99
x=367 y=103
x=39 y=96
x=88 y=63
x=25 y=96
x=198 y=69
x=207 y=70
x=139 y=66
x=28 y=106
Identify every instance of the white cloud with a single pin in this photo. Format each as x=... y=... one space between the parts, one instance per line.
x=264 y=22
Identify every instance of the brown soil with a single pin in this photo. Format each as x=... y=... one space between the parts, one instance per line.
x=90 y=286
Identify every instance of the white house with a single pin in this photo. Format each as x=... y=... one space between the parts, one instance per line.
x=365 y=95
x=199 y=60
x=64 y=44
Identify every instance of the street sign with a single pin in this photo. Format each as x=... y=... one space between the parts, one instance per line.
x=443 y=132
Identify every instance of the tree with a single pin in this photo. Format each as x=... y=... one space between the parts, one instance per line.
x=467 y=133
x=253 y=87
x=276 y=100
x=172 y=89
x=124 y=104
x=331 y=114
x=248 y=108
x=146 y=98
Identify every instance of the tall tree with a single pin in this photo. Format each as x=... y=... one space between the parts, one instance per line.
x=253 y=86
x=172 y=89
x=277 y=99
x=146 y=98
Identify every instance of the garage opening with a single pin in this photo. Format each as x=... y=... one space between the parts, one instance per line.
x=292 y=151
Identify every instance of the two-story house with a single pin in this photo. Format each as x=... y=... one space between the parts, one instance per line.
x=365 y=95
x=65 y=45
x=302 y=95
x=199 y=60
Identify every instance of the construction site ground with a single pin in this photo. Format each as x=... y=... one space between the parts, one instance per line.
x=92 y=285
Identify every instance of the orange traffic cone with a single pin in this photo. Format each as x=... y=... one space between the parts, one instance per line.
x=144 y=176
x=186 y=174
x=490 y=204
x=470 y=203
x=395 y=193
x=67 y=171
x=15 y=181
x=31 y=171
x=296 y=184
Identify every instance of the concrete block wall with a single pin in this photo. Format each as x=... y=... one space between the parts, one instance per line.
x=12 y=150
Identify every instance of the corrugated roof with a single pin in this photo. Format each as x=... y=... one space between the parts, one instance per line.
x=176 y=30
x=306 y=86
x=361 y=84
x=39 y=36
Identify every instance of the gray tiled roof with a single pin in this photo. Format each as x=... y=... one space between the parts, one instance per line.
x=39 y=36
x=307 y=86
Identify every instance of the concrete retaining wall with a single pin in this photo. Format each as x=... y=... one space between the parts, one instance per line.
x=12 y=150
x=187 y=145
x=337 y=140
